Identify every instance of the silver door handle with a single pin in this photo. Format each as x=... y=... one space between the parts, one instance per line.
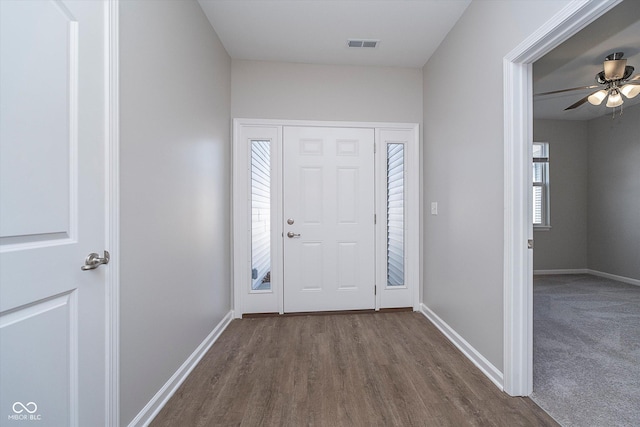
x=291 y=235
x=94 y=261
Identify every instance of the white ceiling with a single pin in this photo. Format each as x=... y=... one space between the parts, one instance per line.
x=576 y=62
x=316 y=31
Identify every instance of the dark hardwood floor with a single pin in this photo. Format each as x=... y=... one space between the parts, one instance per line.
x=382 y=369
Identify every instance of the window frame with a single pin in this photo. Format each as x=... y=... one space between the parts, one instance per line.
x=544 y=185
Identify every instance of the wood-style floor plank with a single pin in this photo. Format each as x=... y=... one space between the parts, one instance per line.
x=382 y=369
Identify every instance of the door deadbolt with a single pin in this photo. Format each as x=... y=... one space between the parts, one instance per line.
x=290 y=221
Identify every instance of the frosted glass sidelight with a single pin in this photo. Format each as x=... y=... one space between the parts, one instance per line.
x=395 y=214
x=260 y=215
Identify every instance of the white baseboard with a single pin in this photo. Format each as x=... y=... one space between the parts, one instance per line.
x=467 y=349
x=158 y=401
x=623 y=279
x=563 y=271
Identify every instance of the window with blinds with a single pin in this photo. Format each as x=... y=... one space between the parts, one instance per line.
x=541 y=185
x=261 y=216
x=395 y=214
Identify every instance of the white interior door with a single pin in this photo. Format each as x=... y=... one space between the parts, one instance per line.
x=52 y=190
x=329 y=232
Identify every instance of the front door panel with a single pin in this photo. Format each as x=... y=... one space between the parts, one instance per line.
x=329 y=253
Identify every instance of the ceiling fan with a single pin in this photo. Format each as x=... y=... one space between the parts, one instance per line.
x=615 y=82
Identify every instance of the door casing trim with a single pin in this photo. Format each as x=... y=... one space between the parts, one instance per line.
x=241 y=233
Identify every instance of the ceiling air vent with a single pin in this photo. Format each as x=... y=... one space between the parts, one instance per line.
x=363 y=43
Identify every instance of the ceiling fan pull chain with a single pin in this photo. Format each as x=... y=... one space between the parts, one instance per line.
x=613 y=115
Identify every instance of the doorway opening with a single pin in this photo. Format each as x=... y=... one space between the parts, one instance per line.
x=585 y=315
x=518 y=137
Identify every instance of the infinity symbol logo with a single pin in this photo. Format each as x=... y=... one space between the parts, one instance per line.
x=30 y=407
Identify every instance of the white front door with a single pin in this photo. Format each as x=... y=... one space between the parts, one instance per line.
x=329 y=232
x=52 y=198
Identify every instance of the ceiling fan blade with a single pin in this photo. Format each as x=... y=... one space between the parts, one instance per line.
x=579 y=103
x=567 y=90
x=636 y=77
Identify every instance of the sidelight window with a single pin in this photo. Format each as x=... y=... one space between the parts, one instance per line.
x=395 y=214
x=261 y=215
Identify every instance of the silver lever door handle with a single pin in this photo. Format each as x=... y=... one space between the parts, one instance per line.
x=94 y=261
x=291 y=235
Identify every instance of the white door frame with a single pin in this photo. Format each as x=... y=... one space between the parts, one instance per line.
x=112 y=215
x=518 y=137
x=241 y=219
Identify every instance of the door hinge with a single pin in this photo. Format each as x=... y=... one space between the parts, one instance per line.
x=375 y=290
x=530 y=244
x=375 y=218
x=374 y=148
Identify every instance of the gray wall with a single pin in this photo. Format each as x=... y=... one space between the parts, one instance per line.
x=614 y=194
x=564 y=246
x=595 y=195
x=175 y=97
x=280 y=90
x=463 y=168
